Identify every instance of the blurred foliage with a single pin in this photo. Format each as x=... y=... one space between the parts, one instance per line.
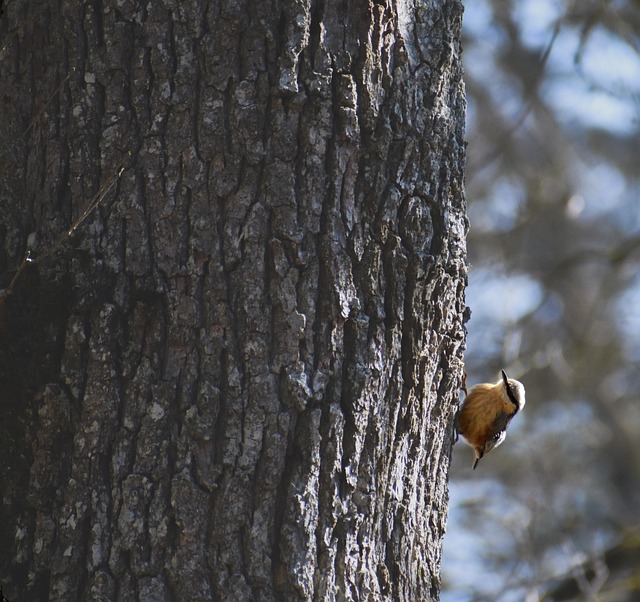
x=553 y=185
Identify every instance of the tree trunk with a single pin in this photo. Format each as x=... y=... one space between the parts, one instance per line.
x=237 y=378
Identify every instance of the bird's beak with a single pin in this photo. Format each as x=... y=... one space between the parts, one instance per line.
x=504 y=377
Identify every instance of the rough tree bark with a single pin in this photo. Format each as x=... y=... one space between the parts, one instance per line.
x=237 y=379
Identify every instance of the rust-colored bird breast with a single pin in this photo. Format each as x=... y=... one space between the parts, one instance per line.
x=476 y=416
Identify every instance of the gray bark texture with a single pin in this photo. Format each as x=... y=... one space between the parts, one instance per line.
x=237 y=378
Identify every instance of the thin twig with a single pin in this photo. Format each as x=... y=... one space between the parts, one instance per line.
x=95 y=202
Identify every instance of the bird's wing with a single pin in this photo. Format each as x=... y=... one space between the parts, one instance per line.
x=501 y=421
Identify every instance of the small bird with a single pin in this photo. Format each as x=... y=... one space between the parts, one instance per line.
x=486 y=412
